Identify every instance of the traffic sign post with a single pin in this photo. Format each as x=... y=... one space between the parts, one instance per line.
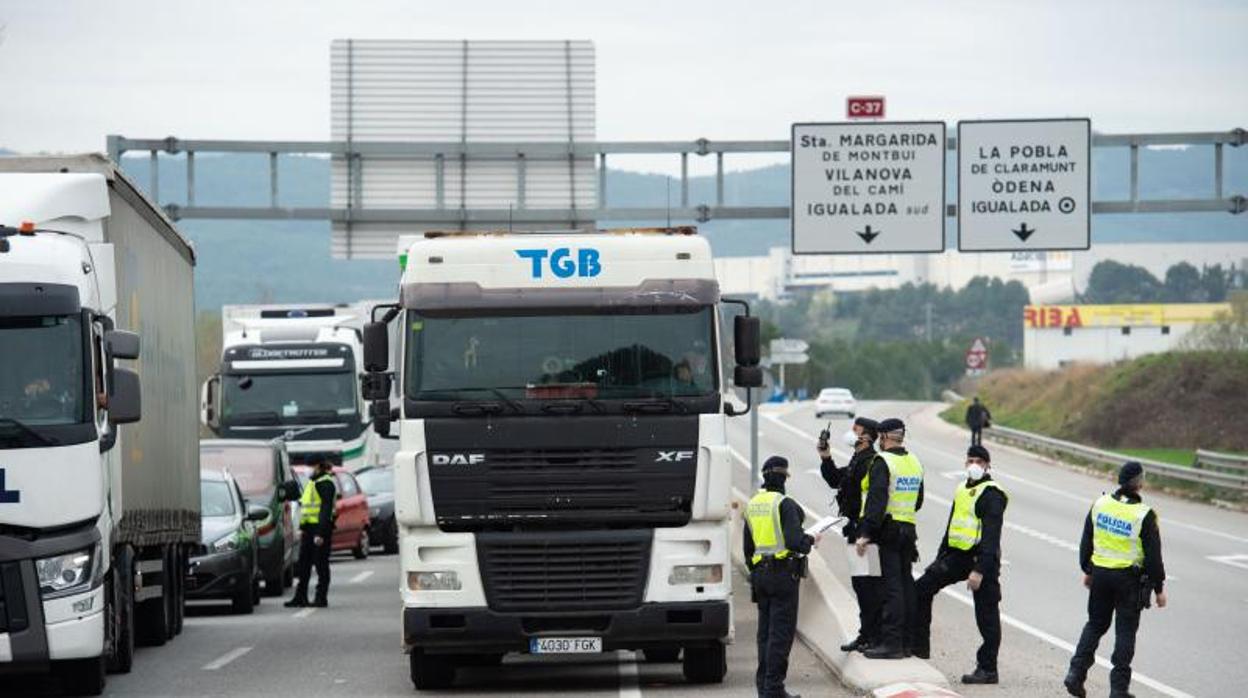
x=977 y=357
x=863 y=188
x=1024 y=185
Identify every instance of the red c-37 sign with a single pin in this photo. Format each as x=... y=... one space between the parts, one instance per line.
x=864 y=107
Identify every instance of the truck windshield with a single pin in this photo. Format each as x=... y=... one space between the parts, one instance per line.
x=288 y=398
x=41 y=382
x=618 y=355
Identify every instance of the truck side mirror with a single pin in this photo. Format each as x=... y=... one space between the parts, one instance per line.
x=208 y=399
x=747 y=342
x=120 y=344
x=125 y=402
x=379 y=411
x=376 y=347
x=376 y=386
x=748 y=377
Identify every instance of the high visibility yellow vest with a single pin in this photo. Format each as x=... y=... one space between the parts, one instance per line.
x=905 y=477
x=1116 y=533
x=310 y=502
x=762 y=516
x=965 y=527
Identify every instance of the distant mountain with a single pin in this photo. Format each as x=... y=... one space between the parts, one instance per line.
x=253 y=261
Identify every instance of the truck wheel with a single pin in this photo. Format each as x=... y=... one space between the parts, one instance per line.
x=81 y=677
x=361 y=548
x=179 y=583
x=705 y=664
x=392 y=538
x=662 y=655
x=170 y=585
x=151 y=617
x=431 y=671
x=120 y=614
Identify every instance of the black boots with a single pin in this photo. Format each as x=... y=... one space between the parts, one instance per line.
x=1074 y=686
x=858 y=645
x=881 y=652
x=980 y=676
x=320 y=602
x=297 y=602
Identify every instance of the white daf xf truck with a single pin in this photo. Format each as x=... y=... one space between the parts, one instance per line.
x=296 y=369
x=97 y=520
x=563 y=479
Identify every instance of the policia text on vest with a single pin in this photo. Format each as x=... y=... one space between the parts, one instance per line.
x=775 y=549
x=316 y=522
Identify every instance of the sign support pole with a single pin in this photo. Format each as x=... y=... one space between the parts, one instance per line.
x=754 y=477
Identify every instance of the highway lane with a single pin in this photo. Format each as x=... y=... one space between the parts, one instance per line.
x=353 y=648
x=1190 y=647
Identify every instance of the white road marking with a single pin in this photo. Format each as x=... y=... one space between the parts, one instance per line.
x=1068 y=647
x=360 y=577
x=226 y=658
x=303 y=612
x=1240 y=561
x=629 y=687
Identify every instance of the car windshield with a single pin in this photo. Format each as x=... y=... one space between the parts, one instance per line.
x=288 y=398
x=41 y=382
x=625 y=355
x=376 y=481
x=215 y=499
x=252 y=468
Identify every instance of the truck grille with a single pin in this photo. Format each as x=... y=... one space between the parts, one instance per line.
x=566 y=571
x=577 y=460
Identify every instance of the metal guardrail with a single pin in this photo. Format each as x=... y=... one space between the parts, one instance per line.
x=1212 y=460
x=1232 y=481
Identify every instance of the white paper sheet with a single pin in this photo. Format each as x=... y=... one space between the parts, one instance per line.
x=824 y=524
x=867 y=565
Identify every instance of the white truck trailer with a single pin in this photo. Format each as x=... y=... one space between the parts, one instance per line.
x=293 y=368
x=563 y=480
x=97 y=521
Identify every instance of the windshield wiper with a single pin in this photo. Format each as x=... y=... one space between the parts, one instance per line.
x=319 y=415
x=31 y=433
x=655 y=404
x=496 y=392
x=269 y=417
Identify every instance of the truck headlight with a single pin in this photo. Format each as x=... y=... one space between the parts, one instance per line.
x=226 y=543
x=67 y=573
x=433 y=581
x=696 y=574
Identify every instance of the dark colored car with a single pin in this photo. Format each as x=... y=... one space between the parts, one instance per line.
x=226 y=565
x=350 y=512
x=378 y=485
x=263 y=474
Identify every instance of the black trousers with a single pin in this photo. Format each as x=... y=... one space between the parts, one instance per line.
x=869 y=591
x=775 y=591
x=312 y=554
x=1114 y=596
x=897 y=603
x=951 y=568
x=977 y=436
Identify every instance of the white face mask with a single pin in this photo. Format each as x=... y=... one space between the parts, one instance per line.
x=974 y=472
x=850 y=438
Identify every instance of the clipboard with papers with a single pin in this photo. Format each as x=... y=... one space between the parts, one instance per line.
x=824 y=524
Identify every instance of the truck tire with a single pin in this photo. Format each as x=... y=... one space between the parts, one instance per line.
x=360 y=551
x=392 y=538
x=120 y=613
x=706 y=664
x=662 y=655
x=151 y=617
x=170 y=586
x=81 y=677
x=244 y=601
x=430 y=672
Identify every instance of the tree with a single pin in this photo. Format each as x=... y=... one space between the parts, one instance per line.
x=1183 y=284
x=1228 y=332
x=1215 y=282
x=1114 y=282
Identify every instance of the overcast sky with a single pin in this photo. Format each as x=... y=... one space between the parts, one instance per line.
x=73 y=71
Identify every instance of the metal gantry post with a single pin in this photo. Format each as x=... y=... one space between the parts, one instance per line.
x=719 y=178
x=754 y=478
x=190 y=178
x=154 y=176
x=273 y=179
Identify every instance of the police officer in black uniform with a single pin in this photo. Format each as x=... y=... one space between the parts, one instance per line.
x=775 y=553
x=847 y=482
x=316 y=521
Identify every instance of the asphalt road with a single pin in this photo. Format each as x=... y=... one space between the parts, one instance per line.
x=353 y=648
x=1192 y=647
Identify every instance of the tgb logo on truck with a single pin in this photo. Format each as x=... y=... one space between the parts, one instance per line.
x=458 y=458
x=564 y=262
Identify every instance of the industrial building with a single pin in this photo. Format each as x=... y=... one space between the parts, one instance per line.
x=1056 y=335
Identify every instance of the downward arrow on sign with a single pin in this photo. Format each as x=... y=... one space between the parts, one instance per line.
x=1022 y=232
x=868 y=235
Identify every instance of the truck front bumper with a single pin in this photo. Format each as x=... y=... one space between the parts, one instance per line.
x=482 y=631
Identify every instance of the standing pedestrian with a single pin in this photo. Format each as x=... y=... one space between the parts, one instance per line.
x=847 y=482
x=775 y=553
x=892 y=494
x=316 y=521
x=970 y=550
x=977 y=417
x=1120 y=554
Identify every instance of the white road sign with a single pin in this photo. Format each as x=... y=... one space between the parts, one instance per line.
x=795 y=358
x=1024 y=185
x=784 y=345
x=861 y=188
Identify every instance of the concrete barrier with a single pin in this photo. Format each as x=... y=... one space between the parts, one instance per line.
x=828 y=617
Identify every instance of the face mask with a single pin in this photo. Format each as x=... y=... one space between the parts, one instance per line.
x=974 y=472
x=850 y=438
